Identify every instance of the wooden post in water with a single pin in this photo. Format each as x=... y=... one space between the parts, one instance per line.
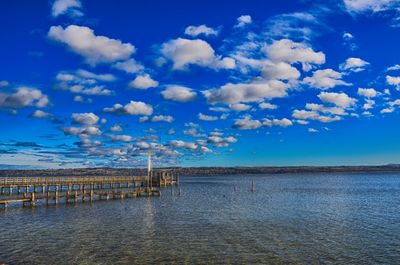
x=253 y=186
x=56 y=196
x=33 y=199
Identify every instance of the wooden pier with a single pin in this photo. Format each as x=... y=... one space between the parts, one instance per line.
x=53 y=190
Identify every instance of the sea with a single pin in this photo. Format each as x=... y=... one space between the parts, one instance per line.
x=335 y=218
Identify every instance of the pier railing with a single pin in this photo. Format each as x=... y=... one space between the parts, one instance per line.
x=65 y=180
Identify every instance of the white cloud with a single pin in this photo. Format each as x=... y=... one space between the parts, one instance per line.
x=286 y=50
x=166 y=118
x=180 y=144
x=130 y=66
x=312 y=115
x=312 y=130
x=101 y=77
x=185 y=52
x=339 y=99
x=324 y=109
x=219 y=141
x=204 y=117
x=267 y=105
x=369 y=104
x=132 y=108
x=143 y=82
x=41 y=114
x=387 y=110
x=354 y=64
x=121 y=138
x=393 y=67
x=282 y=122
x=239 y=107
x=116 y=128
x=367 y=92
x=243 y=21
x=68 y=7
x=91 y=91
x=347 y=36
x=247 y=123
x=179 y=93
x=82 y=132
x=281 y=71
x=361 y=6
x=200 y=30
x=325 y=79
x=394 y=103
x=95 y=49
x=393 y=80
x=251 y=92
x=85 y=118
x=23 y=97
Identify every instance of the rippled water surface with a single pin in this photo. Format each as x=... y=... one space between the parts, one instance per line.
x=289 y=219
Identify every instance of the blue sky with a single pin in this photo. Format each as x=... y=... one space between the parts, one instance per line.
x=210 y=83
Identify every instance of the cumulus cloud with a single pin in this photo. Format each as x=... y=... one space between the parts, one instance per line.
x=243 y=21
x=84 y=82
x=325 y=79
x=267 y=105
x=130 y=66
x=23 y=97
x=367 y=92
x=179 y=93
x=116 y=128
x=194 y=31
x=205 y=117
x=185 y=52
x=85 y=118
x=40 y=114
x=288 y=51
x=339 y=99
x=393 y=68
x=354 y=65
x=387 y=110
x=247 y=92
x=219 y=141
x=247 y=123
x=324 y=109
x=132 y=108
x=66 y=7
x=120 y=138
x=95 y=49
x=182 y=144
x=347 y=36
x=143 y=82
x=82 y=132
x=239 y=107
x=302 y=115
x=281 y=71
x=361 y=6
x=90 y=91
x=90 y=75
x=165 y=118
x=278 y=122
x=393 y=80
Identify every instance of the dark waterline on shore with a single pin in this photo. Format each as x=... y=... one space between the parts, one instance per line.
x=300 y=219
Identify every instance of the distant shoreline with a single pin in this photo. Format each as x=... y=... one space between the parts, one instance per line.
x=201 y=171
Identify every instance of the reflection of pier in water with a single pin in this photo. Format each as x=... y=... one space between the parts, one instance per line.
x=52 y=190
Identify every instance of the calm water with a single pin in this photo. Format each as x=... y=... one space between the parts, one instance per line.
x=290 y=219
